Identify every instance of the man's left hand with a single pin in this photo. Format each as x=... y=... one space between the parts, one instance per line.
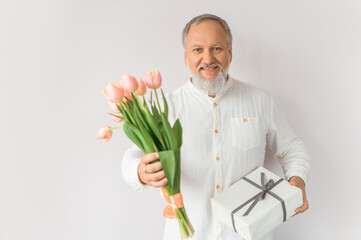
x=298 y=182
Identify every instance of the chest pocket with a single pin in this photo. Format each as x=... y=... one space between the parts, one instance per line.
x=245 y=133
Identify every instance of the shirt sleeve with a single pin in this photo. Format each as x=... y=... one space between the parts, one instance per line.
x=287 y=146
x=129 y=167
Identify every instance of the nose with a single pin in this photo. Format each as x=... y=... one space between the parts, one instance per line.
x=208 y=57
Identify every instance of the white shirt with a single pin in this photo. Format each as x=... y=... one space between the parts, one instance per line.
x=224 y=138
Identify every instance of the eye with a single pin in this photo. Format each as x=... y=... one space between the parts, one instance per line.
x=197 y=50
x=217 y=49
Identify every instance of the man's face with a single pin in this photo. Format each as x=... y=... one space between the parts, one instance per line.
x=206 y=50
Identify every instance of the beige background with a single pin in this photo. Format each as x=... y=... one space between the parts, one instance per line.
x=57 y=182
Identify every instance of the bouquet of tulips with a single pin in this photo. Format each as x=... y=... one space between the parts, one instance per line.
x=148 y=127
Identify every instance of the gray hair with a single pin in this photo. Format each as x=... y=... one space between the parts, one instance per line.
x=202 y=18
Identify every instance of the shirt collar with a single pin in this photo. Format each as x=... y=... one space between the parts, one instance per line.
x=204 y=93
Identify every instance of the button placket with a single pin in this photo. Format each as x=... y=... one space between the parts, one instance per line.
x=217 y=148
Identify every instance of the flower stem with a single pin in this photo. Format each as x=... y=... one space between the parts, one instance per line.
x=156 y=95
x=185 y=227
x=128 y=113
x=182 y=229
x=115 y=128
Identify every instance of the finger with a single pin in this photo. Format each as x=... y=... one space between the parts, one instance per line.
x=142 y=174
x=160 y=183
x=156 y=176
x=303 y=208
x=147 y=158
x=299 y=210
x=154 y=167
x=293 y=183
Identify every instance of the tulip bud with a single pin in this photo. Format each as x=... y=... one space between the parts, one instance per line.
x=114 y=92
x=153 y=79
x=104 y=133
x=142 y=89
x=127 y=95
x=114 y=108
x=129 y=83
x=116 y=119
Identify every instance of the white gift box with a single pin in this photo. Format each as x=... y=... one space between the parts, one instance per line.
x=242 y=208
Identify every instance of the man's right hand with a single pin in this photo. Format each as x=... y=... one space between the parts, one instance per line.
x=151 y=173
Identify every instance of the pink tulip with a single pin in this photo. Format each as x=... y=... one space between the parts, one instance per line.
x=127 y=95
x=114 y=92
x=104 y=133
x=153 y=79
x=129 y=83
x=142 y=89
x=113 y=107
x=116 y=119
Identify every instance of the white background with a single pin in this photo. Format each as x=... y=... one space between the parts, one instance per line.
x=57 y=182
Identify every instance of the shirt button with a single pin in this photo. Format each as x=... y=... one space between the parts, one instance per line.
x=218 y=187
x=245 y=120
x=216 y=131
x=218 y=158
x=215 y=104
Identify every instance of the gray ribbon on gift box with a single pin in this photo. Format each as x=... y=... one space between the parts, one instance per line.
x=266 y=188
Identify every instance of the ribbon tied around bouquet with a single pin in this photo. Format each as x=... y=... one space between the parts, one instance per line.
x=173 y=202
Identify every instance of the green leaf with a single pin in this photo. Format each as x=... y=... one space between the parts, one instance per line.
x=148 y=123
x=170 y=165
x=134 y=135
x=127 y=113
x=127 y=116
x=139 y=113
x=155 y=112
x=148 y=143
x=119 y=108
x=116 y=116
x=155 y=128
x=138 y=104
x=169 y=133
x=166 y=139
x=129 y=101
x=177 y=130
x=144 y=102
x=165 y=104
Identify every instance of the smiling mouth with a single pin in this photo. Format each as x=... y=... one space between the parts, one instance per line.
x=209 y=68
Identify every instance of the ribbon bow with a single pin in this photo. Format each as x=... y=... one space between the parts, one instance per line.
x=173 y=202
x=266 y=187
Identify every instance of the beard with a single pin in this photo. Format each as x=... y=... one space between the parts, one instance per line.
x=212 y=86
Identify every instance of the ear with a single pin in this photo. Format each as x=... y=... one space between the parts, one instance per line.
x=185 y=58
x=230 y=54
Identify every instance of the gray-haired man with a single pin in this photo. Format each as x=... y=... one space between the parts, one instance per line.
x=226 y=126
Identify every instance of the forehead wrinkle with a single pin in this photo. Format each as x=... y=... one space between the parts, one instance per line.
x=215 y=44
x=196 y=45
x=219 y=44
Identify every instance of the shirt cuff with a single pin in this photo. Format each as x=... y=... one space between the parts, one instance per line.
x=295 y=173
x=135 y=182
x=130 y=164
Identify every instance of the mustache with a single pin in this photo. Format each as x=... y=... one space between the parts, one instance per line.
x=209 y=66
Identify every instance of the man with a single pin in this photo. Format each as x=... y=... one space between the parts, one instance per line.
x=226 y=126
